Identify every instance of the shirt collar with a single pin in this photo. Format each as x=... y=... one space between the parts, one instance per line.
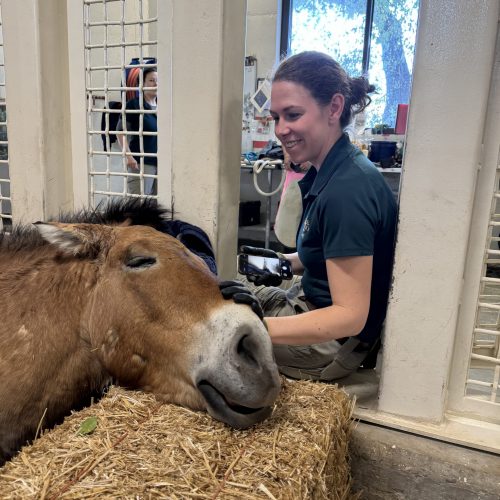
x=337 y=154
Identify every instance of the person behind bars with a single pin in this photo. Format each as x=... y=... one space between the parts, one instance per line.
x=141 y=143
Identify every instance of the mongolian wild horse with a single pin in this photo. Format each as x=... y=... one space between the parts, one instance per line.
x=102 y=297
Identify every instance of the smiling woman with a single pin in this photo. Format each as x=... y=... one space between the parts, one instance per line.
x=345 y=239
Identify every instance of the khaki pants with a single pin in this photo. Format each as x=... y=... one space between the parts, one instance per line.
x=325 y=361
x=134 y=183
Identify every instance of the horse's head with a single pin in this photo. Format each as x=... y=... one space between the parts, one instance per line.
x=157 y=321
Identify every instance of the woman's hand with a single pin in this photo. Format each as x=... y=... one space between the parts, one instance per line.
x=132 y=163
x=240 y=294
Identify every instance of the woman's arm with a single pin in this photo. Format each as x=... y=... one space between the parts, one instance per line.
x=349 y=279
x=297 y=266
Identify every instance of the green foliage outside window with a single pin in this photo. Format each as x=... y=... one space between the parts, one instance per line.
x=337 y=27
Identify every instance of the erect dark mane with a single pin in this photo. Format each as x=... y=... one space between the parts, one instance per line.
x=140 y=212
x=144 y=212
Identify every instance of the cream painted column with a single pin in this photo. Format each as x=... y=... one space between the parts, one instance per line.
x=208 y=50
x=37 y=107
x=453 y=64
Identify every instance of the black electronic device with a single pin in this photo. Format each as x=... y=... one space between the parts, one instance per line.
x=259 y=265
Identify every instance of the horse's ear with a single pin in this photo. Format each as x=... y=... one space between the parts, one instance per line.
x=72 y=239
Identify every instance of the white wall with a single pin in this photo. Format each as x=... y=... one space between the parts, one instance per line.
x=262 y=34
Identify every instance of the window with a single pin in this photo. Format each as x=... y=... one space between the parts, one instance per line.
x=371 y=37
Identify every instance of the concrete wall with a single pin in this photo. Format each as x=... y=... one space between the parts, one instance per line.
x=37 y=103
x=207 y=71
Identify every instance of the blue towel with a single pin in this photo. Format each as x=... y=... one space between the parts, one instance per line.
x=194 y=238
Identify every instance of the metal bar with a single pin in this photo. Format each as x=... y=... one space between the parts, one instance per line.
x=485 y=305
x=286 y=26
x=370 y=7
x=493 y=361
x=268 y=209
x=479 y=382
x=486 y=331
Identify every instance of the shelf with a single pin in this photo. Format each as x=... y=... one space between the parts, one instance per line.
x=382 y=138
x=395 y=170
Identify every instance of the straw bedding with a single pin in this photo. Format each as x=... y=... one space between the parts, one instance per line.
x=144 y=449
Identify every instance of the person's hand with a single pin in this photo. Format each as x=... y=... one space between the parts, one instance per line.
x=132 y=163
x=241 y=295
x=264 y=278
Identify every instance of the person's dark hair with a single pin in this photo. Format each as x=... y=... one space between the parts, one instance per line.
x=148 y=70
x=324 y=77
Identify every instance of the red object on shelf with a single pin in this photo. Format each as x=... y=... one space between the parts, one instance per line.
x=258 y=145
x=401 y=117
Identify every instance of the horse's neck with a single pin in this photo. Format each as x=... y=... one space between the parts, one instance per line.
x=44 y=349
x=47 y=296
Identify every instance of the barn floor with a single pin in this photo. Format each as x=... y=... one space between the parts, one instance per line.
x=390 y=464
x=387 y=464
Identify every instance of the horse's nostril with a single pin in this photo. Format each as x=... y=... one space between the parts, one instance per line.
x=246 y=348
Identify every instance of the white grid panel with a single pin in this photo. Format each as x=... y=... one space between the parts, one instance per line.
x=483 y=378
x=117 y=32
x=5 y=203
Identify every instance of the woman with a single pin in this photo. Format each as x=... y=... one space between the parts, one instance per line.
x=146 y=143
x=346 y=235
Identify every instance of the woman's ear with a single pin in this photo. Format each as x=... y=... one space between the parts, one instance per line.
x=336 y=107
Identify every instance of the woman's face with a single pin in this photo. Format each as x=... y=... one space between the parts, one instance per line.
x=151 y=80
x=306 y=129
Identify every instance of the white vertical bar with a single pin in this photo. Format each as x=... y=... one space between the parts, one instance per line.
x=164 y=51
x=77 y=79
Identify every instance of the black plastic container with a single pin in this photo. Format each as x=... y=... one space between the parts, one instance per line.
x=249 y=213
x=382 y=150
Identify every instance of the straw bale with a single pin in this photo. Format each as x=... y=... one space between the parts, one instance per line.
x=144 y=449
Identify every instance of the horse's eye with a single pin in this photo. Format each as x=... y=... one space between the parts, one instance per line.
x=140 y=262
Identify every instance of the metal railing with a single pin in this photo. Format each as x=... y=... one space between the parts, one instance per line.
x=5 y=191
x=483 y=378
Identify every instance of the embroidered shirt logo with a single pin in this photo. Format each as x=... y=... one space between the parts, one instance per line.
x=305 y=225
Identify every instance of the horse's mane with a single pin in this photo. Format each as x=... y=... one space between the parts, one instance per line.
x=136 y=211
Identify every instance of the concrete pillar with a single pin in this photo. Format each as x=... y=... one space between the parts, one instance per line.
x=37 y=91
x=208 y=50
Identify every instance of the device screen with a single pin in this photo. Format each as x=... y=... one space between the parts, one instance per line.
x=268 y=264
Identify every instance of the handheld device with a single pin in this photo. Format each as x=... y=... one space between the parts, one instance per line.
x=257 y=265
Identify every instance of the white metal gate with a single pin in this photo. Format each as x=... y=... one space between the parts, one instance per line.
x=5 y=205
x=484 y=366
x=120 y=42
x=475 y=382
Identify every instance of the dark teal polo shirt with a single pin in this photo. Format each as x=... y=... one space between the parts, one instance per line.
x=348 y=211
